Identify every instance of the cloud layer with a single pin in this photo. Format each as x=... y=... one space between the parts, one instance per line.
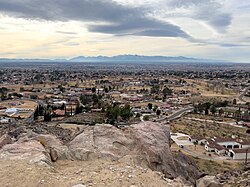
x=109 y=17
x=202 y=28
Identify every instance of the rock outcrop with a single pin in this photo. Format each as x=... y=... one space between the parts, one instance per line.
x=25 y=150
x=147 y=142
x=5 y=139
x=186 y=167
x=227 y=179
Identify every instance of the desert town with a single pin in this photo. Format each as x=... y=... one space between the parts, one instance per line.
x=208 y=111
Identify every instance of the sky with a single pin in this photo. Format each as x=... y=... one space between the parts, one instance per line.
x=211 y=29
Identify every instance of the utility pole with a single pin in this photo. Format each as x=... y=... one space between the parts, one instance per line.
x=246 y=156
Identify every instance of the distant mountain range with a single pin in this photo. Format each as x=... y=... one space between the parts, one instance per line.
x=120 y=59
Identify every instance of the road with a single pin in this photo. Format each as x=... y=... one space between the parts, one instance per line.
x=176 y=114
x=242 y=95
x=202 y=156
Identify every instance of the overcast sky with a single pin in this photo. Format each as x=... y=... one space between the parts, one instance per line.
x=214 y=29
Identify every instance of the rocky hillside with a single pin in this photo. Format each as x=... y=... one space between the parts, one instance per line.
x=237 y=178
x=145 y=144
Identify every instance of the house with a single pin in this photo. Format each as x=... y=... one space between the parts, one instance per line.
x=239 y=154
x=244 y=144
x=4 y=120
x=227 y=143
x=198 y=140
x=219 y=149
x=210 y=146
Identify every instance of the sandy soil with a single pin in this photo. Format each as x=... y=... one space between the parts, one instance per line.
x=90 y=173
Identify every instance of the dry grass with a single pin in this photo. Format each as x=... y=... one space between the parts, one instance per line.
x=215 y=167
x=208 y=129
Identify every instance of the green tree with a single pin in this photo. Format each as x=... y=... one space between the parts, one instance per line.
x=158 y=112
x=47 y=116
x=146 y=118
x=167 y=91
x=213 y=109
x=221 y=111
x=84 y=99
x=150 y=106
x=79 y=108
x=112 y=113
x=93 y=90
x=125 y=112
x=155 y=108
x=155 y=89
x=234 y=101
x=95 y=99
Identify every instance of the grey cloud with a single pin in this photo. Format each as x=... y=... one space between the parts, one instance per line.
x=141 y=27
x=199 y=42
x=210 y=11
x=184 y=3
x=64 y=32
x=221 y=21
x=120 y=20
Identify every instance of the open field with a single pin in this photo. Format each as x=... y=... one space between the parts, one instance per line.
x=208 y=129
x=27 y=106
x=210 y=117
x=210 y=91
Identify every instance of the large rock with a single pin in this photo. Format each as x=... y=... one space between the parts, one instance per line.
x=147 y=142
x=5 y=139
x=186 y=167
x=208 y=181
x=53 y=146
x=31 y=150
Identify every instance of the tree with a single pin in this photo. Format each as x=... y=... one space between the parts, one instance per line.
x=207 y=106
x=84 y=99
x=158 y=112
x=34 y=96
x=79 y=108
x=221 y=112
x=36 y=113
x=95 y=99
x=61 y=88
x=167 y=91
x=125 y=112
x=234 y=101
x=112 y=113
x=155 y=89
x=155 y=108
x=93 y=90
x=47 y=116
x=106 y=90
x=213 y=109
x=146 y=118
x=150 y=106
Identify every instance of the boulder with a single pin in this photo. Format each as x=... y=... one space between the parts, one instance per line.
x=53 y=146
x=186 y=167
x=53 y=154
x=31 y=150
x=146 y=142
x=208 y=181
x=5 y=139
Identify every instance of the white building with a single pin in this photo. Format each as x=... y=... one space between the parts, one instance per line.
x=239 y=154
